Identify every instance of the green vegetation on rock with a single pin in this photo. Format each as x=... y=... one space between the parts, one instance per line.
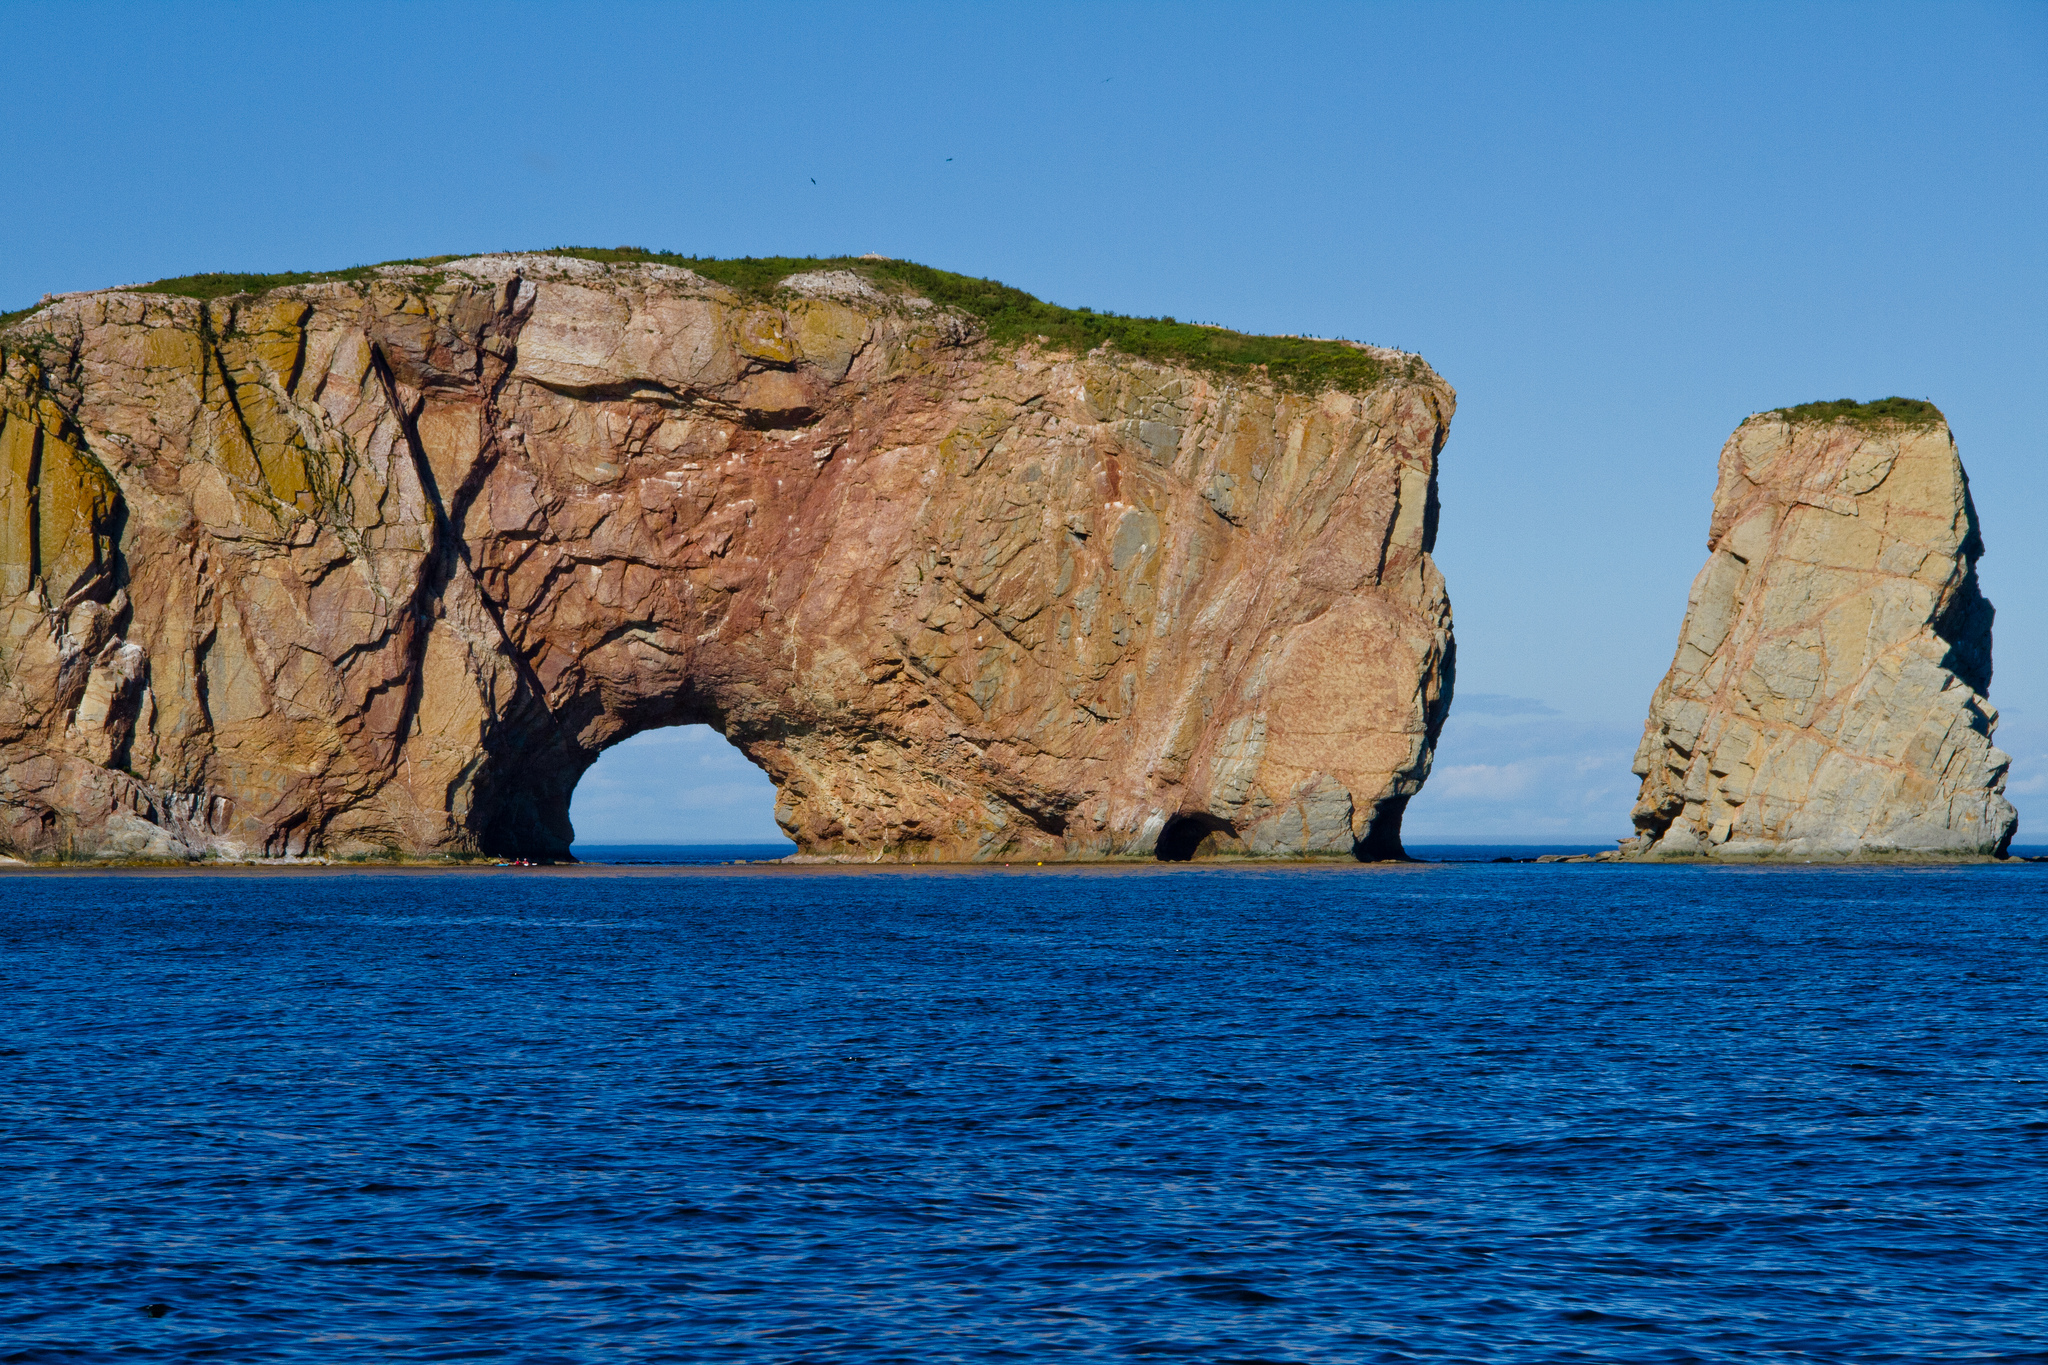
x=219 y=284
x=1013 y=317
x=754 y=276
x=1009 y=316
x=1881 y=412
x=224 y=284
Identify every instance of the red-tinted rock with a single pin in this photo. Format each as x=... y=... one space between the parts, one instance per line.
x=357 y=567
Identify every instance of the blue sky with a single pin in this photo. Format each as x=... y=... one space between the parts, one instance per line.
x=1617 y=229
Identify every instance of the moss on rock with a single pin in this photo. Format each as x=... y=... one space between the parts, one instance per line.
x=1009 y=316
x=1895 y=411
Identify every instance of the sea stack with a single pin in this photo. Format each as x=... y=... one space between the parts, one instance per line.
x=1828 y=697
x=378 y=563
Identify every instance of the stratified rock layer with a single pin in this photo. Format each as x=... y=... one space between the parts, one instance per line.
x=1828 y=695
x=382 y=566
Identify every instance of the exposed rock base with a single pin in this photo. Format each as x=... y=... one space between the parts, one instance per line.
x=1828 y=696
x=353 y=568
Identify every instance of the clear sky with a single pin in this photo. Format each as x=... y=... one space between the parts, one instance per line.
x=1617 y=229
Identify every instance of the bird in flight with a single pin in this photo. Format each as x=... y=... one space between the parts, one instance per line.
x=814 y=180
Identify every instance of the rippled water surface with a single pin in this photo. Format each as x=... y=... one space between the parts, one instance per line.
x=1471 y=1112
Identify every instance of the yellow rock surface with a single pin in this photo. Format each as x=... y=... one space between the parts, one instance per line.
x=1827 y=699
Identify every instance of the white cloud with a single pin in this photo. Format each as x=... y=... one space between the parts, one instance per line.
x=1479 y=781
x=1498 y=704
x=2032 y=785
x=1526 y=778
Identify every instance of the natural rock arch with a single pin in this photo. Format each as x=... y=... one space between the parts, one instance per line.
x=385 y=564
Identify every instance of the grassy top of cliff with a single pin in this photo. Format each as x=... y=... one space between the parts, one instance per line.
x=227 y=284
x=1879 y=412
x=1012 y=316
x=1008 y=315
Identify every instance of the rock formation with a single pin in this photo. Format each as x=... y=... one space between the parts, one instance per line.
x=381 y=564
x=1828 y=696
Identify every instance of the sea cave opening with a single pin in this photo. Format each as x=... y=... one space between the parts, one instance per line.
x=677 y=793
x=1183 y=836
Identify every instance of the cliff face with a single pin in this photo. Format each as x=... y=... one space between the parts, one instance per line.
x=1827 y=698
x=383 y=565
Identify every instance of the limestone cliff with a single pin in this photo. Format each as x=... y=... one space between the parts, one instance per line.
x=1828 y=695
x=382 y=564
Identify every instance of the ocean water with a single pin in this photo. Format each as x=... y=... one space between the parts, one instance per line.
x=1449 y=1112
x=707 y=855
x=679 y=855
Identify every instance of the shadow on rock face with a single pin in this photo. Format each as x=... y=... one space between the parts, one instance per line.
x=1184 y=836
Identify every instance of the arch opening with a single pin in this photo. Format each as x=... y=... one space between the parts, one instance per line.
x=1186 y=837
x=674 y=787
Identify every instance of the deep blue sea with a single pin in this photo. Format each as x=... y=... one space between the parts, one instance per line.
x=1450 y=1112
x=704 y=855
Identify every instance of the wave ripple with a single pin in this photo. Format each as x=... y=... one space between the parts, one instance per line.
x=1471 y=1112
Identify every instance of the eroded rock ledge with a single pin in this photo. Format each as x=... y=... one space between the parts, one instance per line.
x=1827 y=700
x=382 y=565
